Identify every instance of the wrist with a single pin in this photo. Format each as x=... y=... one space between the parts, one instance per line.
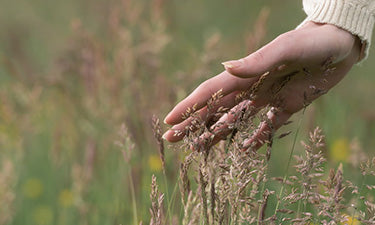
x=355 y=16
x=345 y=38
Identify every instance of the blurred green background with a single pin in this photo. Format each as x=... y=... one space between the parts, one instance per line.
x=72 y=72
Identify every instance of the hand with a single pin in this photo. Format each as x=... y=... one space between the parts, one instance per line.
x=295 y=68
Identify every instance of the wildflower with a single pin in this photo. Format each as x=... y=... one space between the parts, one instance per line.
x=33 y=188
x=351 y=221
x=125 y=143
x=339 y=151
x=157 y=199
x=66 y=198
x=43 y=215
x=158 y=136
x=155 y=164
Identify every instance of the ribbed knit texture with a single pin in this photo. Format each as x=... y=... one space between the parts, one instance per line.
x=355 y=16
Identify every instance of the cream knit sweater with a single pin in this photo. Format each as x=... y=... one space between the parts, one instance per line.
x=355 y=16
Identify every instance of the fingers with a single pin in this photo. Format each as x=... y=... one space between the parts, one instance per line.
x=224 y=126
x=266 y=129
x=280 y=51
x=199 y=97
x=177 y=132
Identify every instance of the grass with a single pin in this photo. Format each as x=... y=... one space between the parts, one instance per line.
x=232 y=186
x=73 y=72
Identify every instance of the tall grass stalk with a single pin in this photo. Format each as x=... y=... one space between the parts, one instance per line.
x=167 y=194
x=289 y=160
x=269 y=146
x=171 y=203
x=299 y=205
x=363 y=182
x=134 y=203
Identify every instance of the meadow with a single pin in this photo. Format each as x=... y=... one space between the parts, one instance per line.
x=84 y=84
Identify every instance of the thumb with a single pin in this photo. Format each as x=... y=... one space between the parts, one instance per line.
x=278 y=52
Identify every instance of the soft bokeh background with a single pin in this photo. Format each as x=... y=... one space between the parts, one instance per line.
x=72 y=72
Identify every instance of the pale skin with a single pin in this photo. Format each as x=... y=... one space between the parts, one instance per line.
x=317 y=55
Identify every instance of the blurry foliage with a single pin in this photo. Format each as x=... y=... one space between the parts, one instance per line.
x=72 y=72
x=59 y=123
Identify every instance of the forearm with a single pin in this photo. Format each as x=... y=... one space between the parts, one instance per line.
x=355 y=16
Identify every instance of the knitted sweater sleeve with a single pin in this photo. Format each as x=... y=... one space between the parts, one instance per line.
x=355 y=16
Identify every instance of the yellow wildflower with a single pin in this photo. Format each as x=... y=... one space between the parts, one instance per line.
x=351 y=221
x=43 y=215
x=32 y=188
x=340 y=150
x=66 y=198
x=154 y=163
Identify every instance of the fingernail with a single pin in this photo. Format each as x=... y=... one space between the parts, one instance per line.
x=227 y=65
x=165 y=135
x=232 y=64
x=166 y=117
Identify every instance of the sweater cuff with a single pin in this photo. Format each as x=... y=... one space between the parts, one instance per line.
x=355 y=18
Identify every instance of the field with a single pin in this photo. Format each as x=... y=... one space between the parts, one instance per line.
x=83 y=83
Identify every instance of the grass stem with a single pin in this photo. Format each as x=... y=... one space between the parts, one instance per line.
x=171 y=202
x=167 y=195
x=289 y=160
x=263 y=187
x=134 y=203
x=359 y=194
